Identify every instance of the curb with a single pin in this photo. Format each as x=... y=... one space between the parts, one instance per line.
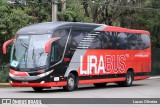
x=154 y=77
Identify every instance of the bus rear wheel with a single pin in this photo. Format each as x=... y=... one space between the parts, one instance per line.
x=72 y=83
x=37 y=89
x=100 y=84
x=128 y=81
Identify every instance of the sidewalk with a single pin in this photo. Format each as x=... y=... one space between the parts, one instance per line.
x=155 y=77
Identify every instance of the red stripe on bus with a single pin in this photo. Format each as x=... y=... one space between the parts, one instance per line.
x=141 y=77
x=125 y=30
x=17 y=73
x=101 y=80
x=48 y=84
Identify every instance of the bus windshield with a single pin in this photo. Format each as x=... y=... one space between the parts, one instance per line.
x=28 y=51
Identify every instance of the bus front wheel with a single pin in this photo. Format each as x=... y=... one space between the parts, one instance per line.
x=71 y=83
x=37 y=89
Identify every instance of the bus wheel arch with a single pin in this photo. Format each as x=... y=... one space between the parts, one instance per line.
x=72 y=81
x=131 y=70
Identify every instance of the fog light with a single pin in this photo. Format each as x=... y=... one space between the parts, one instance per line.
x=42 y=82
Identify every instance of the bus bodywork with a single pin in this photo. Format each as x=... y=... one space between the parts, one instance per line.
x=70 y=53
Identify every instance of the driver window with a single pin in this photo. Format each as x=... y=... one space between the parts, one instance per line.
x=58 y=47
x=55 y=53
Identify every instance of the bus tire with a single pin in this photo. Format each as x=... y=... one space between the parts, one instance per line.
x=72 y=83
x=128 y=81
x=37 y=89
x=100 y=84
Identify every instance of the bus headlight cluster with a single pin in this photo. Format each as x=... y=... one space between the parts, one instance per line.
x=45 y=74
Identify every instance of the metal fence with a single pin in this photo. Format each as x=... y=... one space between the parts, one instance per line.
x=155 y=61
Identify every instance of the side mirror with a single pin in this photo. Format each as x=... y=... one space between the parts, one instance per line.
x=48 y=44
x=5 y=45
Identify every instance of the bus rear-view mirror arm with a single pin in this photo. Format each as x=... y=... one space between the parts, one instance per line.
x=49 y=42
x=5 y=45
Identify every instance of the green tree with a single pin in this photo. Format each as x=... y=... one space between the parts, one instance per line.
x=39 y=10
x=11 y=20
x=74 y=12
x=146 y=16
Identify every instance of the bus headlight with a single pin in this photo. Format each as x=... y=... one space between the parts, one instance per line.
x=45 y=74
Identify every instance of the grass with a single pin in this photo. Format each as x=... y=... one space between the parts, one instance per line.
x=4 y=84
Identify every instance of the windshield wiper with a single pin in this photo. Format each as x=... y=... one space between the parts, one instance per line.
x=25 y=53
x=23 y=44
x=40 y=54
x=33 y=52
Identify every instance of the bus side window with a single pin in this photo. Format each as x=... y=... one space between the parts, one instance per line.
x=122 y=42
x=140 y=44
x=55 y=53
x=97 y=42
x=108 y=39
x=145 y=40
x=132 y=41
x=75 y=39
x=58 y=47
x=63 y=33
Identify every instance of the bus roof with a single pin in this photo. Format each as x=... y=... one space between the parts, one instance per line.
x=49 y=27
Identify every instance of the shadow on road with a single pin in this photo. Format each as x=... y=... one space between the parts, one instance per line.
x=81 y=88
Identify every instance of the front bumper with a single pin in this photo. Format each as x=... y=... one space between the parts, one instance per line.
x=24 y=76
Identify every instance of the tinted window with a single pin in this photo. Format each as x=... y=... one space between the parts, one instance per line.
x=103 y=40
x=76 y=37
x=97 y=42
x=122 y=41
x=61 y=32
x=146 y=40
x=55 y=52
x=108 y=41
x=57 y=47
x=131 y=41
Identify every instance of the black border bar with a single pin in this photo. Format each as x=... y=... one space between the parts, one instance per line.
x=79 y=100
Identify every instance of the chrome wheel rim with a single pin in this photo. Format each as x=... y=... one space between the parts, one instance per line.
x=129 y=78
x=71 y=82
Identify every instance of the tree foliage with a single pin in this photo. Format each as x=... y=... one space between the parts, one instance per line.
x=74 y=12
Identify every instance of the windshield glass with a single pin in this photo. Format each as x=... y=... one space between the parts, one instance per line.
x=28 y=51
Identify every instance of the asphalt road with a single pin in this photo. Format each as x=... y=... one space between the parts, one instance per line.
x=149 y=88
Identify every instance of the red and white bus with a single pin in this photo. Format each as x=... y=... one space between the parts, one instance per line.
x=67 y=54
